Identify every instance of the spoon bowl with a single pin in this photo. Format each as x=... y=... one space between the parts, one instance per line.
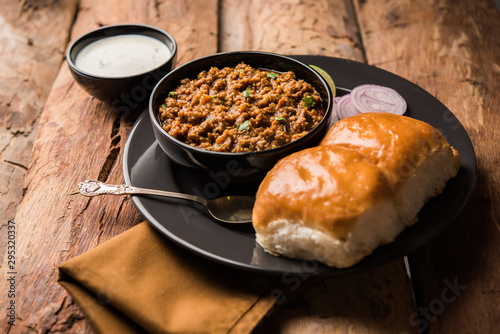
x=228 y=209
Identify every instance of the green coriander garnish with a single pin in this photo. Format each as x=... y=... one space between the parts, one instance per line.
x=243 y=126
x=247 y=92
x=214 y=96
x=163 y=106
x=279 y=118
x=171 y=93
x=309 y=101
x=272 y=75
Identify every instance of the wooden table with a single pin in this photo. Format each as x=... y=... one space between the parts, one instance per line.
x=53 y=135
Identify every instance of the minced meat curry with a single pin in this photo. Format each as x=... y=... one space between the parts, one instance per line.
x=241 y=109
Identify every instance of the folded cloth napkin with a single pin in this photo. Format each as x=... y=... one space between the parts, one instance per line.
x=140 y=282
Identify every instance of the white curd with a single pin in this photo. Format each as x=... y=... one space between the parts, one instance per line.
x=122 y=56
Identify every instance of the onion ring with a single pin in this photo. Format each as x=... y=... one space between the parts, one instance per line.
x=334 y=117
x=345 y=107
x=375 y=98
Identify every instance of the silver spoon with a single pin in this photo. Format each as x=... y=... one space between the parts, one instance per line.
x=229 y=209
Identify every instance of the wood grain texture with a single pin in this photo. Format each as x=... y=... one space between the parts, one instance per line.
x=323 y=27
x=30 y=54
x=79 y=138
x=373 y=301
x=451 y=49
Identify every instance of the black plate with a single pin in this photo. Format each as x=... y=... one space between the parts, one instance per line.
x=145 y=165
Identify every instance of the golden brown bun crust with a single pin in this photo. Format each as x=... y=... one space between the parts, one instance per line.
x=397 y=144
x=327 y=187
x=363 y=185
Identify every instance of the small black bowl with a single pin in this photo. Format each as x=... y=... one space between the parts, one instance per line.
x=128 y=91
x=236 y=167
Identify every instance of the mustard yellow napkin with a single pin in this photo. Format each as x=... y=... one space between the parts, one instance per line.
x=140 y=282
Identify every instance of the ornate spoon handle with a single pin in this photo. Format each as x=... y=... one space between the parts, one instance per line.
x=94 y=188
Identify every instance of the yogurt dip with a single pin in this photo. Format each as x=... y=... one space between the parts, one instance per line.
x=122 y=56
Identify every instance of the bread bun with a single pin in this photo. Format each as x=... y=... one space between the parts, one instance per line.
x=357 y=190
x=320 y=202
x=415 y=156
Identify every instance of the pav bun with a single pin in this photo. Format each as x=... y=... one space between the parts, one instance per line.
x=363 y=185
x=415 y=156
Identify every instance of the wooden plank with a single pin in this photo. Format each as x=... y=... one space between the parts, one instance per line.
x=375 y=301
x=32 y=40
x=78 y=138
x=450 y=49
x=291 y=27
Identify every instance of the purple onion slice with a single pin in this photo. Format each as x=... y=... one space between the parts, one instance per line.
x=375 y=98
x=334 y=117
x=345 y=107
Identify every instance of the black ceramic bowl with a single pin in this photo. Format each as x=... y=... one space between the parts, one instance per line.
x=236 y=167
x=129 y=90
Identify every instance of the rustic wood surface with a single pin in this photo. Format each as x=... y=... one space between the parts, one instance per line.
x=447 y=47
x=32 y=43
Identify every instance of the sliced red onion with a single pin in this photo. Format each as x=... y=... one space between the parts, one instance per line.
x=334 y=117
x=375 y=98
x=345 y=107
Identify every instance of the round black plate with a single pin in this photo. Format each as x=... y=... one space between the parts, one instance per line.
x=145 y=165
